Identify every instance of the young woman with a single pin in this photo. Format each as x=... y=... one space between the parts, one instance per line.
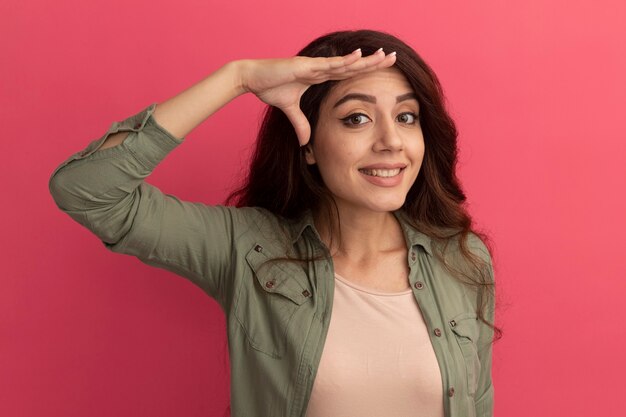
x=348 y=270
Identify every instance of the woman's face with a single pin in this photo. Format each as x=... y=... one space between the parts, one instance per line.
x=368 y=141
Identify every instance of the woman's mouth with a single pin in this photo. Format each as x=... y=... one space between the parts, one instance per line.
x=384 y=173
x=384 y=177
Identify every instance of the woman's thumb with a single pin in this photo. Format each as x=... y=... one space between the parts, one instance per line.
x=299 y=122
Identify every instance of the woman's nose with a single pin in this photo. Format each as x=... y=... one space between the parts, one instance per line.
x=388 y=137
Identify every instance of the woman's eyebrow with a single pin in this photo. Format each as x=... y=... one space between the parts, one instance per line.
x=372 y=99
x=407 y=96
x=355 y=96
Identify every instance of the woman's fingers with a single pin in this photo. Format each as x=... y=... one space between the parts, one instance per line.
x=369 y=63
x=340 y=68
x=300 y=123
x=389 y=60
x=336 y=62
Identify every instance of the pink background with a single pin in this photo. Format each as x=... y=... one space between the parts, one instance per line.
x=538 y=91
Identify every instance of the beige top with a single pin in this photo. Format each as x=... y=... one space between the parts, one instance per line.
x=378 y=360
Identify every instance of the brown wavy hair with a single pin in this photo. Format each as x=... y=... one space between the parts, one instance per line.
x=281 y=181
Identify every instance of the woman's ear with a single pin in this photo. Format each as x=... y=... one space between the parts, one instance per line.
x=309 y=155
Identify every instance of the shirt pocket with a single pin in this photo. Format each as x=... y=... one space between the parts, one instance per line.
x=466 y=331
x=269 y=300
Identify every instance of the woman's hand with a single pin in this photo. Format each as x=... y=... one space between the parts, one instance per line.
x=282 y=82
x=277 y=82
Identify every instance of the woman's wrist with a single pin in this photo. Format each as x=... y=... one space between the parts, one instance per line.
x=239 y=69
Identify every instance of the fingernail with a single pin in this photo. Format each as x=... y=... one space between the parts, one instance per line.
x=393 y=53
x=356 y=50
x=379 y=50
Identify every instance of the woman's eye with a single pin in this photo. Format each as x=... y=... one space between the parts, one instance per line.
x=355 y=119
x=408 y=118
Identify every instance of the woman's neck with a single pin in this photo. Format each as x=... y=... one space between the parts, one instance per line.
x=359 y=234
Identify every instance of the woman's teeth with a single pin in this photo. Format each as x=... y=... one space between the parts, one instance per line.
x=381 y=172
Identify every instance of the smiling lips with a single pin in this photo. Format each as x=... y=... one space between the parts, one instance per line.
x=383 y=175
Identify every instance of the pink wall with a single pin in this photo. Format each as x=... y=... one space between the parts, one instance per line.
x=537 y=88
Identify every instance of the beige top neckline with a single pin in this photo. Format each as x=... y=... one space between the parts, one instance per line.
x=371 y=290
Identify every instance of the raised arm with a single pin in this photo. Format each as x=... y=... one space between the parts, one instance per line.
x=102 y=187
x=277 y=82
x=183 y=112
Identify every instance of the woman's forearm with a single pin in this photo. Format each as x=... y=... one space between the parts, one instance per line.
x=182 y=113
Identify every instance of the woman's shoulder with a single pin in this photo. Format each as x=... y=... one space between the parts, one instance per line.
x=253 y=219
x=262 y=224
x=454 y=242
x=478 y=245
x=467 y=254
x=447 y=240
